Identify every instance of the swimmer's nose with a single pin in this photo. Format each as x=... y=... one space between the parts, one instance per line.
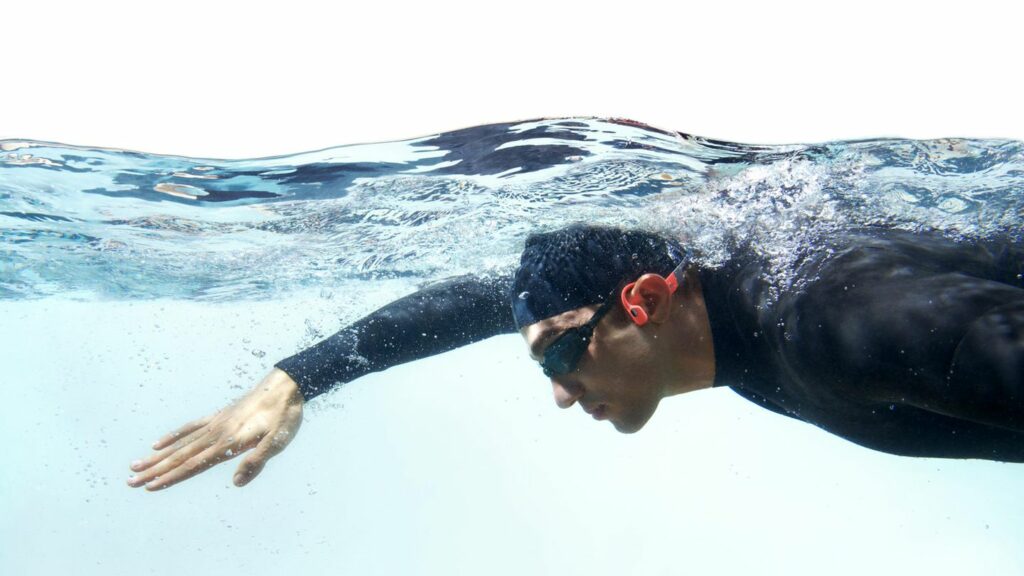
x=566 y=393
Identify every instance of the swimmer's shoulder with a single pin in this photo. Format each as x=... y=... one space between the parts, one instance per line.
x=874 y=251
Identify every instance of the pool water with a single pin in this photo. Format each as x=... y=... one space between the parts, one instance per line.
x=140 y=291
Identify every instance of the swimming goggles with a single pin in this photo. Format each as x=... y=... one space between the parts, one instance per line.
x=564 y=353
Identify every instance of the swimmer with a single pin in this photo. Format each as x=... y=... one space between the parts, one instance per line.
x=906 y=343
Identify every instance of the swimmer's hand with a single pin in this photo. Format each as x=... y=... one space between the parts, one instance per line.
x=264 y=420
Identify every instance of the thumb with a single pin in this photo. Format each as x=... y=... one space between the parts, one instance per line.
x=254 y=461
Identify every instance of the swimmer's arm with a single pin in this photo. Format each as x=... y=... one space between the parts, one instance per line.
x=948 y=343
x=986 y=374
x=262 y=423
x=436 y=319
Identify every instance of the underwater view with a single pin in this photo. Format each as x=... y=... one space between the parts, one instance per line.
x=141 y=291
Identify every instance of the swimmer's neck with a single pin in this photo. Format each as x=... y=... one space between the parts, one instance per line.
x=692 y=365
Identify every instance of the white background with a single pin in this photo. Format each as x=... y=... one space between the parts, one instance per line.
x=242 y=80
x=395 y=475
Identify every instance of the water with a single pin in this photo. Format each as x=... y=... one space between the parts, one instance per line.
x=139 y=291
x=118 y=224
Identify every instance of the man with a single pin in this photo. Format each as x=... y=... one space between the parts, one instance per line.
x=906 y=343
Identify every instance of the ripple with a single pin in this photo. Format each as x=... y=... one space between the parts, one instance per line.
x=180 y=190
x=113 y=222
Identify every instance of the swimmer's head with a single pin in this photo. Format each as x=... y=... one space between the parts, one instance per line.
x=582 y=265
x=566 y=301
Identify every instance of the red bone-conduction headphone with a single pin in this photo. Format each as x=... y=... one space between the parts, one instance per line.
x=637 y=312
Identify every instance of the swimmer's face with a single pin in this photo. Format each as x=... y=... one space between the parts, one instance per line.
x=615 y=379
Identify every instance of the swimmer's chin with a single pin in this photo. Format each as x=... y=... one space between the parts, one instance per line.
x=628 y=427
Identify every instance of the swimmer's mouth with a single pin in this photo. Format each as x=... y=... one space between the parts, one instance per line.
x=598 y=413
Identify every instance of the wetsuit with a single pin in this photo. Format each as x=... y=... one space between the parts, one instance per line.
x=906 y=343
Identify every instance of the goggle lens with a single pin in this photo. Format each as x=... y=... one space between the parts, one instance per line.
x=562 y=355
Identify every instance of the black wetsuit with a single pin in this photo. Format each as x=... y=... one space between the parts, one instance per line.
x=906 y=343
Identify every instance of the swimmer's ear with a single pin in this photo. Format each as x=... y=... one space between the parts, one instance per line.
x=647 y=300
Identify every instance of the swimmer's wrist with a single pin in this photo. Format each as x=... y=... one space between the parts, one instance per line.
x=279 y=381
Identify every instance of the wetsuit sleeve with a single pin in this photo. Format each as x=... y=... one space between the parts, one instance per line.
x=436 y=319
x=986 y=375
x=891 y=331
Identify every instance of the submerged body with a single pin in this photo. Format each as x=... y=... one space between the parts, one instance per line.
x=907 y=343
x=902 y=342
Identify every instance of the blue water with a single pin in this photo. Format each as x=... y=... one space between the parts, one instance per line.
x=140 y=291
x=101 y=223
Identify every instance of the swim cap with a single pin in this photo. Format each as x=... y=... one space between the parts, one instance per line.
x=581 y=265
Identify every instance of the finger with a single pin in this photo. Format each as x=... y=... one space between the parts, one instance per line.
x=159 y=456
x=254 y=462
x=185 y=430
x=172 y=461
x=199 y=463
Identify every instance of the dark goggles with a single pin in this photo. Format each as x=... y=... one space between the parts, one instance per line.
x=564 y=353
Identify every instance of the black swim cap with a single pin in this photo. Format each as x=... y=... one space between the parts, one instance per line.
x=581 y=265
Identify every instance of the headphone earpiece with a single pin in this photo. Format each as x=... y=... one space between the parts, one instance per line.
x=635 y=312
x=638 y=314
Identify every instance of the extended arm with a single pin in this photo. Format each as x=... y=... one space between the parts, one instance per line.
x=436 y=319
